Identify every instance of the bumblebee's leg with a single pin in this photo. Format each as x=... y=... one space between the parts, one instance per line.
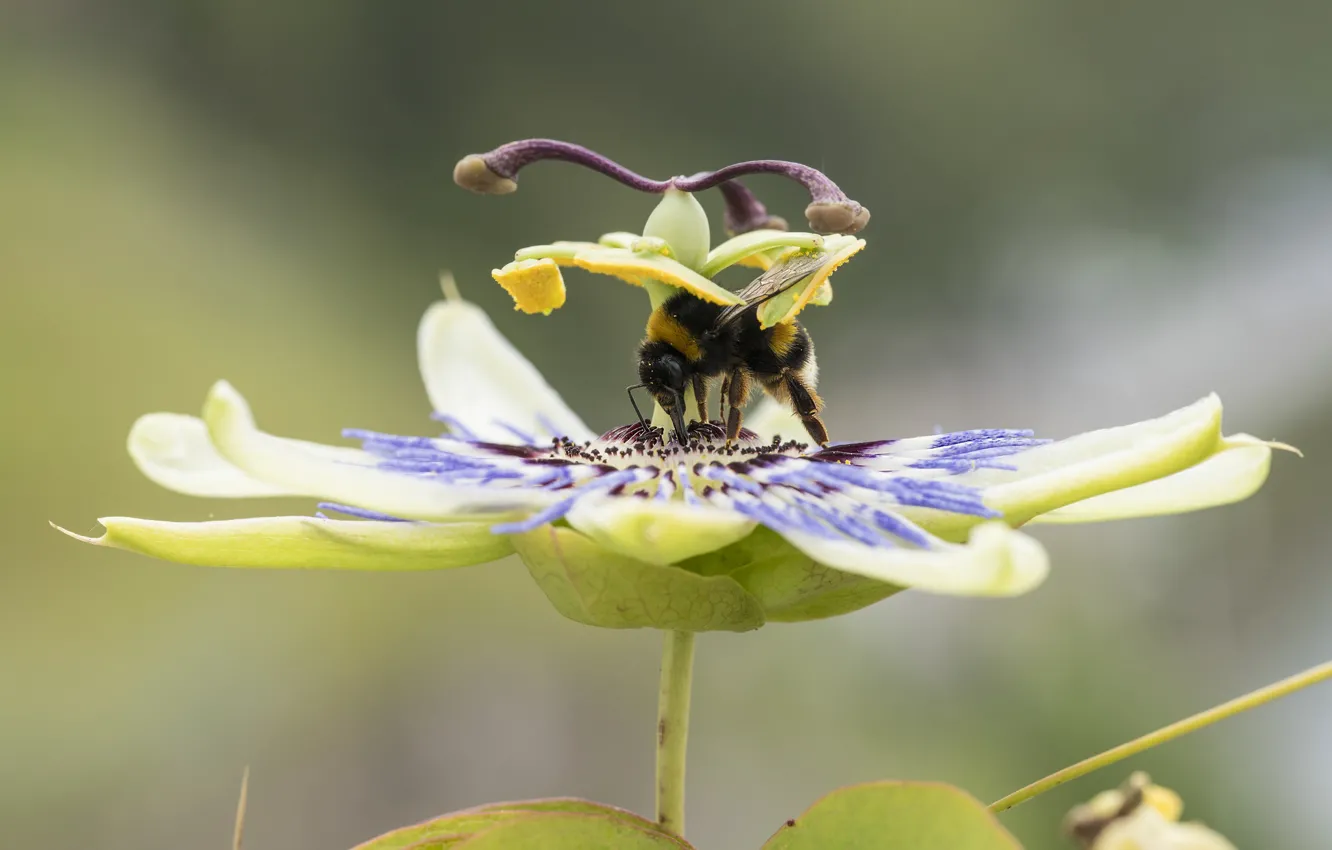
x=736 y=395
x=807 y=405
x=701 y=396
x=725 y=394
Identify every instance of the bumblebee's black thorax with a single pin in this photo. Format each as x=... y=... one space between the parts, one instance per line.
x=688 y=325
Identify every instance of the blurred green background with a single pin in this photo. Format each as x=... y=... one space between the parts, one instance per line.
x=1084 y=214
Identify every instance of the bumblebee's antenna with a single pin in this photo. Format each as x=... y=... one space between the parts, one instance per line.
x=681 y=433
x=643 y=423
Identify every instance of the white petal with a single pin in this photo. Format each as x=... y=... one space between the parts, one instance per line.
x=657 y=532
x=475 y=375
x=996 y=561
x=305 y=543
x=343 y=474
x=174 y=451
x=1231 y=475
x=772 y=418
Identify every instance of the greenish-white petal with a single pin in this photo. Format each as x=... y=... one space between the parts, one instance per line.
x=473 y=374
x=295 y=542
x=1048 y=477
x=658 y=532
x=995 y=561
x=174 y=451
x=348 y=476
x=1067 y=471
x=1231 y=475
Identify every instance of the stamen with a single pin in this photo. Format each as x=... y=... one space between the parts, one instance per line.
x=830 y=210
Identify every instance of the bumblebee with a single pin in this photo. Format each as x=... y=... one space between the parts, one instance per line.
x=690 y=343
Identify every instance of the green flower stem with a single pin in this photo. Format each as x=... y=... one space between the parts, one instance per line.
x=1253 y=699
x=677 y=673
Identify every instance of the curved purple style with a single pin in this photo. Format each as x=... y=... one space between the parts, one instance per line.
x=829 y=210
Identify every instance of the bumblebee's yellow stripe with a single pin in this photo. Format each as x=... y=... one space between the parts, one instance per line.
x=781 y=338
x=664 y=327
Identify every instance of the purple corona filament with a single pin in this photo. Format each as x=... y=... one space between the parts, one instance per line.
x=853 y=492
x=829 y=210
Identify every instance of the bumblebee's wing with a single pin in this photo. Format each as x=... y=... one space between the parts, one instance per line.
x=772 y=283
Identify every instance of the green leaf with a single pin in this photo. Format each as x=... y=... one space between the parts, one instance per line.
x=445 y=831
x=895 y=816
x=555 y=823
x=568 y=806
x=573 y=832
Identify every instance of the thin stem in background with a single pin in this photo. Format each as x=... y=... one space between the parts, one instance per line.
x=1253 y=699
x=238 y=835
x=677 y=672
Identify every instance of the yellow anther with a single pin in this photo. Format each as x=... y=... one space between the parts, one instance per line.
x=536 y=285
x=817 y=290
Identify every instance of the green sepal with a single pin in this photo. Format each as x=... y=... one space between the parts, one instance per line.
x=591 y=585
x=789 y=585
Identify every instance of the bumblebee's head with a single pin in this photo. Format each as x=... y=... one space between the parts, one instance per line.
x=664 y=373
